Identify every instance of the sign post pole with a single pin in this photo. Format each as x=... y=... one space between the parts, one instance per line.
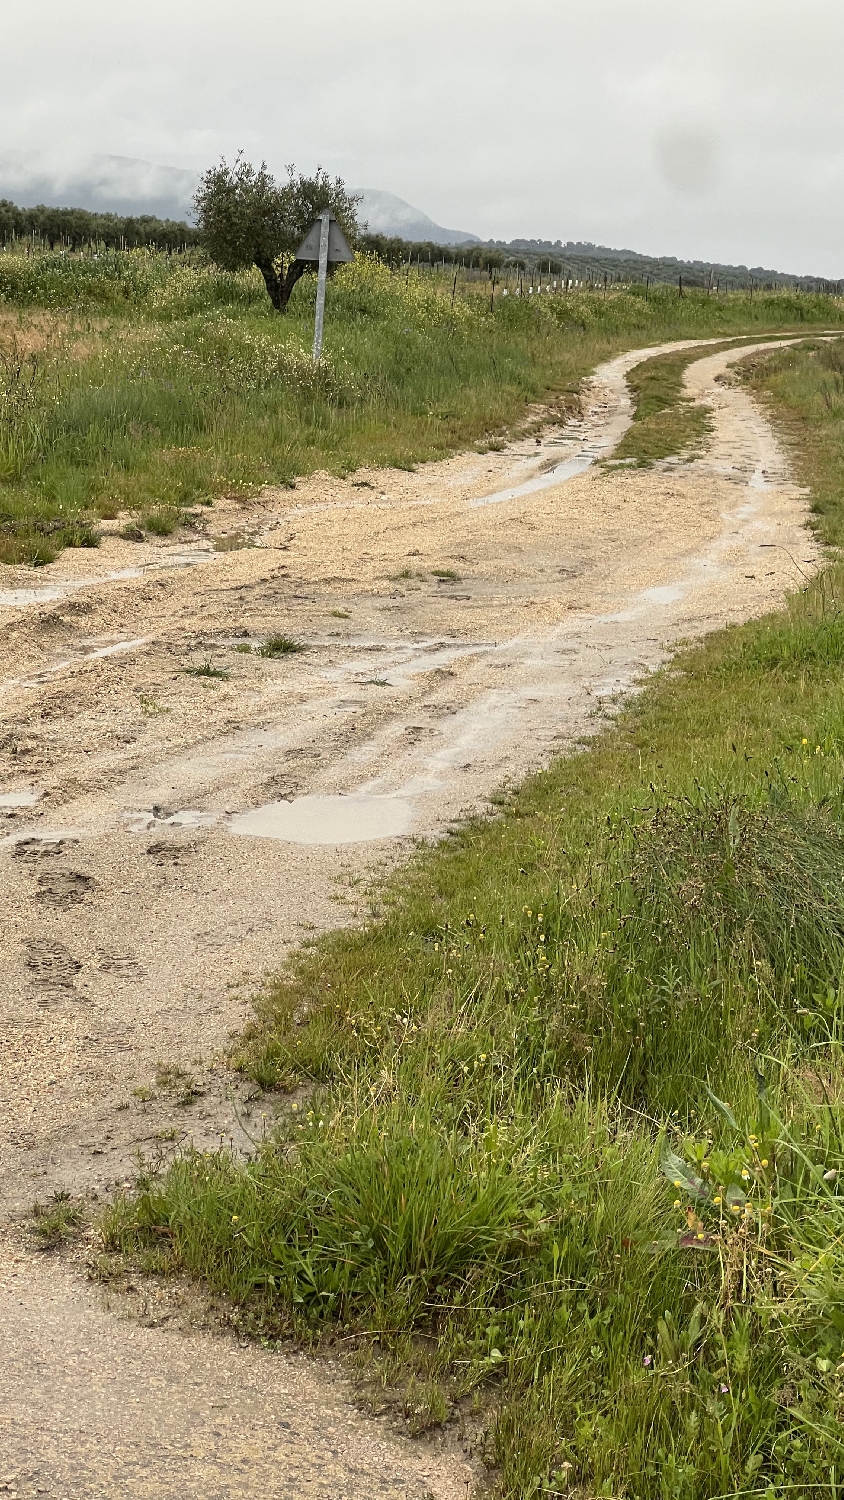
x=325 y=224
x=324 y=245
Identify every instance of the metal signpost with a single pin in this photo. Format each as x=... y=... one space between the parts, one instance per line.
x=326 y=244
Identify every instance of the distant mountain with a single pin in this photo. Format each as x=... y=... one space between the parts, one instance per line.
x=384 y=213
x=125 y=185
x=104 y=184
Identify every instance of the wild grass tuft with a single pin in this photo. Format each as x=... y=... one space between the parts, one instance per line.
x=207 y=669
x=54 y=1223
x=280 y=645
x=161 y=521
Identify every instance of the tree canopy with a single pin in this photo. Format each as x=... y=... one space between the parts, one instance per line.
x=246 y=218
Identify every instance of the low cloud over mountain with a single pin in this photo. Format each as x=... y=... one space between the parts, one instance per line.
x=116 y=184
x=125 y=185
x=386 y=214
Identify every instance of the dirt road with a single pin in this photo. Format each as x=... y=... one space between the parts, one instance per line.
x=169 y=836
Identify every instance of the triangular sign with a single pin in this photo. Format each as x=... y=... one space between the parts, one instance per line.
x=338 y=249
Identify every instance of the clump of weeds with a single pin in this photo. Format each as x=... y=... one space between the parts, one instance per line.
x=207 y=670
x=279 y=645
x=171 y=1079
x=163 y=520
x=56 y=1222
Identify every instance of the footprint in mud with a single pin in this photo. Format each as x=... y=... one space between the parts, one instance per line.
x=51 y=965
x=122 y=965
x=64 y=888
x=167 y=852
x=40 y=848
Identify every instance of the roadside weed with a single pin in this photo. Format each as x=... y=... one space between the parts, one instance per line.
x=54 y=1223
x=279 y=645
x=207 y=670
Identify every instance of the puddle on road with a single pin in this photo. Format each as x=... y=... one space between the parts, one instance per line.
x=34 y=841
x=328 y=820
x=18 y=598
x=147 y=819
x=64 y=666
x=10 y=800
x=665 y=593
x=568 y=469
x=592 y=441
x=233 y=541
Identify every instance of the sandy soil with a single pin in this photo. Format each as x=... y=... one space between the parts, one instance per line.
x=168 y=837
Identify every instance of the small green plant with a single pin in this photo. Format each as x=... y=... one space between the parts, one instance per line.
x=445 y=575
x=279 y=645
x=162 y=521
x=207 y=670
x=172 y=1079
x=340 y=614
x=57 y=1221
x=149 y=705
x=244 y=648
x=81 y=534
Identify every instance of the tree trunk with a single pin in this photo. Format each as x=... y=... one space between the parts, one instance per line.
x=271 y=280
x=296 y=269
x=279 y=288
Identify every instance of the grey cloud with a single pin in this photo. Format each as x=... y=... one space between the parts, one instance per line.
x=688 y=159
x=714 y=134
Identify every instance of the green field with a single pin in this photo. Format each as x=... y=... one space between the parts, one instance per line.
x=145 y=384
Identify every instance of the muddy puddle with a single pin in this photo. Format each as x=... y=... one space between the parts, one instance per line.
x=328 y=820
x=61 y=588
x=12 y=800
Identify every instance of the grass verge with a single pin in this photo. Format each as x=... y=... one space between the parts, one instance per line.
x=574 y=1132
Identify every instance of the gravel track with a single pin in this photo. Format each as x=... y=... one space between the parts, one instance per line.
x=168 y=837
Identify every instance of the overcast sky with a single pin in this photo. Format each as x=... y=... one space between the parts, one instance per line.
x=712 y=131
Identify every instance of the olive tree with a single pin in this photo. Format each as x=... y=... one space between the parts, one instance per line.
x=245 y=218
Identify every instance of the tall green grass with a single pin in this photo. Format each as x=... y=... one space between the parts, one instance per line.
x=665 y=422
x=177 y=384
x=807 y=389
x=572 y=1139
